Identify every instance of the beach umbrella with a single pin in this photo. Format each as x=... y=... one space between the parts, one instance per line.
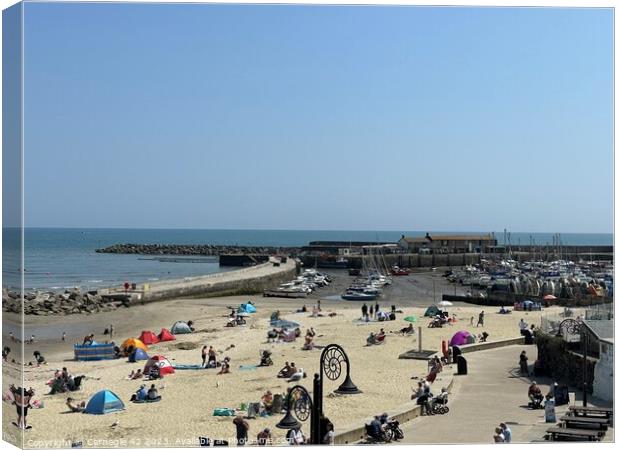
x=444 y=303
x=411 y=319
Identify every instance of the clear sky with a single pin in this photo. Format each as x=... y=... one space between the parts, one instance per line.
x=302 y=117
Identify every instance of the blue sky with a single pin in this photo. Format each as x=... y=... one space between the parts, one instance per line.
x=301 y=117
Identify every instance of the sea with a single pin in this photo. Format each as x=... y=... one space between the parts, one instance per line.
x=64 y=258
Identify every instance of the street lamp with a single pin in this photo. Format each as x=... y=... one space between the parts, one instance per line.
x=574 y=327
x=297 y=401
x=333 y=357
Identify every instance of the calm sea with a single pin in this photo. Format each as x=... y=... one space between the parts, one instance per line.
x=58 y=258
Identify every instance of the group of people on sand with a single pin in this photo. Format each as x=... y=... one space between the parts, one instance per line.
x=283 y=335
x=376 y=338
x=503 y=434
x=294 y=436
x=144 y=395
x=291 y=372
x=63 y=381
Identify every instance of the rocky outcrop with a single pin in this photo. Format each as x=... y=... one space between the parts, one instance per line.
x=54 y=303
x=202 y=250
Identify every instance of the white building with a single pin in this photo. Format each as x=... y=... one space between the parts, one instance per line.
x=603 y=332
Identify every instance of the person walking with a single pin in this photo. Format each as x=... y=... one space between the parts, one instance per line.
x=480 y=319
x=370 y=312
x=242 y=427
x=376 y=308
x=365 y=311
x=507 y=432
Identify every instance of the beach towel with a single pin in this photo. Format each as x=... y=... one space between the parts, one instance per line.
x=223 y=412
x=248 y=367
x=189 y=367
x=281 y=323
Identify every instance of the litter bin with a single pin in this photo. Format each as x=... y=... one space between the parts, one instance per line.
x=455 y=354
x=461 y=365
x=133 y=286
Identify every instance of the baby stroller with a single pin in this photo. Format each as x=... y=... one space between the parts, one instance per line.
x=439 y=404
x=265 y=358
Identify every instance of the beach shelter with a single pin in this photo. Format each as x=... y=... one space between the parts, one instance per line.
x=148 y=337
x=138 y=355
x=411 y=319
x=94 y=352
x=133 y=342
x=180 y=327
x=461 y=338
x=165 y=335
x=165 y=368
x=104 y=402
x=431 y=311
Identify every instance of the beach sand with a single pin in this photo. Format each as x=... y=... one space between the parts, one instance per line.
x=190 y=396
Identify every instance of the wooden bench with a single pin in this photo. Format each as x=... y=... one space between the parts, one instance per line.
x=578 y=420
x=582 y=435
x=591 y=411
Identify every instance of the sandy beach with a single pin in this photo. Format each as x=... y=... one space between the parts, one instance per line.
x=190 y=396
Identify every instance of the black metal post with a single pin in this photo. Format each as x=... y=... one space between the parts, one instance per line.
x=317 y=410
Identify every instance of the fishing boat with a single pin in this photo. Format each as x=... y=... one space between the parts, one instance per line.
x=284 y=293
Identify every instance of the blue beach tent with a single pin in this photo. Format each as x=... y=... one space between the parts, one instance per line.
x=138 y=355
x=104 y=402
x=180 y=328
x=246 y=308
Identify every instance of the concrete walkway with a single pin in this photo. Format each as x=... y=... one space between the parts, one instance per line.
x=491 y=393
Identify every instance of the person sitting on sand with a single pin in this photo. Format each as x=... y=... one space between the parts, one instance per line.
x=381 y=335
x=315 y=312
x=190 y=324
x=131 y=375
x=294 y=369
x=272 y=335
x=267 y=400
x=225 y=366
x=154 y=373
x=80 y=407
x=152 y=394
x=297 y=332
x=141 y=394
x=483 y=337
x=309 y=344
x=264 y=437
x=407 y=330
x=285 y=372
x=371 y=339
x=138 y=375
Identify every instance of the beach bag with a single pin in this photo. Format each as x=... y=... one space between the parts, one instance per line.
x=223 y=412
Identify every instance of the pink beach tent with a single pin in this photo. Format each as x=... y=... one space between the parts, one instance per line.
x=461 y=338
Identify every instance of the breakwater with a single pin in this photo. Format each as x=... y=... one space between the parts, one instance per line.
x=250 y=280
x=195 y=250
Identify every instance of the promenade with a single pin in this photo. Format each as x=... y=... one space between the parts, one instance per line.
x=491 y=393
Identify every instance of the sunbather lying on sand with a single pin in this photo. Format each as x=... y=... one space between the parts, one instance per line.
x=80 y=407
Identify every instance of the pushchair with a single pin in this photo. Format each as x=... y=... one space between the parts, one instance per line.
x=265 y=358
x=439 y=403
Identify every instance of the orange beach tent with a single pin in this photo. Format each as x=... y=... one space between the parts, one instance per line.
x=133 y=343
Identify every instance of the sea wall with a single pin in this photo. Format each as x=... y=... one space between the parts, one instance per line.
x=251 y=280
